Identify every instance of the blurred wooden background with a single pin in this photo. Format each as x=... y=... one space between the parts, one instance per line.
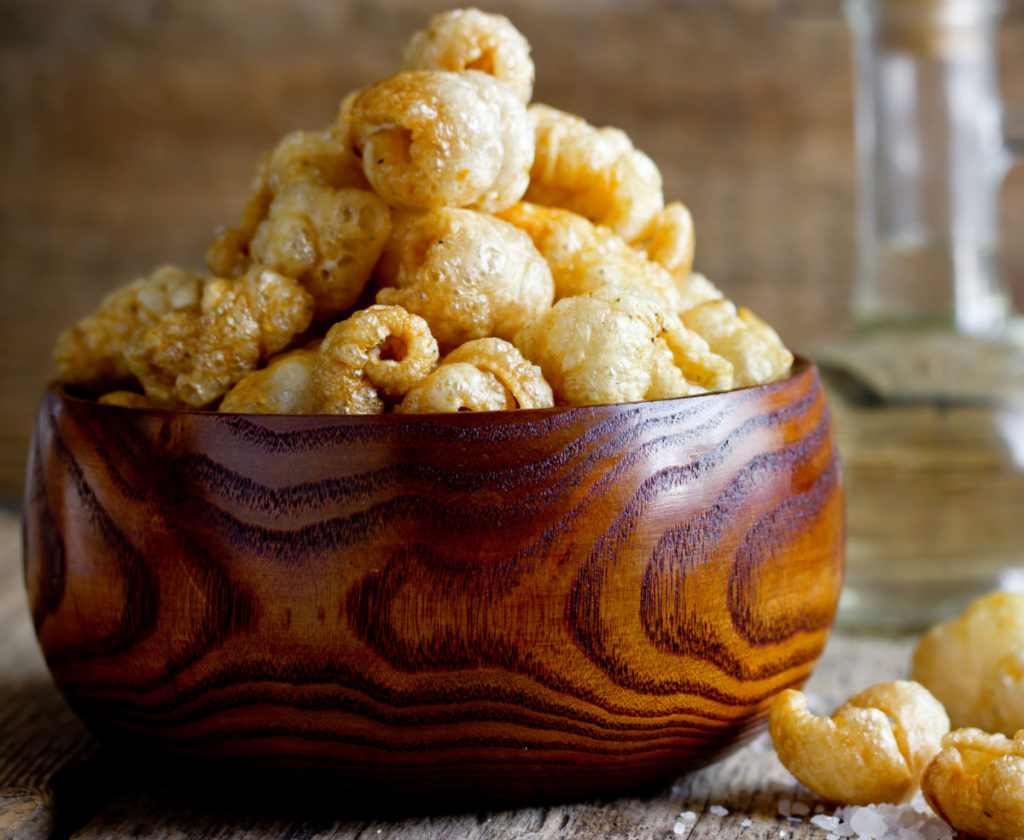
x=130 y=128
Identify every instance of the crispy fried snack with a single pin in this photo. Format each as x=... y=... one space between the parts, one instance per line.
x=584 y=257
x=372 y=358
x=620 y=345
x=673 y=242
x=976 y=784
x=974 y=664
x=872 y=749
x=126 y=399
x=284 y=386
x=594 y=172
x=501 y=359
x=755 y=349
x=190 y=357
x=458 y=386
x=91 y=352
x=468 y=39
x=329 y=239
x=470 y=275
x=319 y=157
x=431 y=138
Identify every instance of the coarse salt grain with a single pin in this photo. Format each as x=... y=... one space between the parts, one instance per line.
x=680 y=828
x=688 y=815
x=869 y=823
x=718 y=810
x=784 y=806
x=746 y=823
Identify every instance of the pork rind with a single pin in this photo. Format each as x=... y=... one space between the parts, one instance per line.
x=584 y=257
x=468 y=39
x=470 y=275
x=872 y=749
x=284 y=386
x=190 y=357
x=620 y=345
x=974 y=664
x=501 y=359
x=976 y=784
x=595 y=172
x=319 y=157
x=91 y=352
x=371 y=360
x=673 y=242
x=431 y=138
x=458 y=386
x=329 y=239
x=126 y=399
x=755 y=350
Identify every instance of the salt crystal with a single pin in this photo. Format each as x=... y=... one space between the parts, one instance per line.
x=826 y=822
x=784 y=806
x=801 y=809
x=688 y=815
x=868 y=823
x=679 y=828
x=718 y=810
x=746 y=823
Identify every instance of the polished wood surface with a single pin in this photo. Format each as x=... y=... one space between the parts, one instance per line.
x=57 y=782
x=131 y=130
x=516 y=605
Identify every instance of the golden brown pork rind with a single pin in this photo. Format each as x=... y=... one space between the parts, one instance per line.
x=372 y=359
x=974 y=664
x=976 y=784
x=468 y=39
x=190 y=357
x=457 y=386
x=90 y=353
x=284 y=386
x=595 y=172
x=431 y=138
x=620 y=345
x=504 y=361
x=872 y=749
x=468 y=274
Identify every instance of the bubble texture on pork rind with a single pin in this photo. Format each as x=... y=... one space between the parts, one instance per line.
x=458 y=386
x=595 y=172
x=502 y=359
x=470 y=275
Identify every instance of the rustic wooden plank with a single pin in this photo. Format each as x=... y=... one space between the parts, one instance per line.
x=42 y=744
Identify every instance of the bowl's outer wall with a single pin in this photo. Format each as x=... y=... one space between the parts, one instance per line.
x=552 y=603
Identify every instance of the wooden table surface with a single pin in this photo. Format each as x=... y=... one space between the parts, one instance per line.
x=56 y=781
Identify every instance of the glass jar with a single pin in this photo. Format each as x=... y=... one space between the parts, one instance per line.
x=927 y=388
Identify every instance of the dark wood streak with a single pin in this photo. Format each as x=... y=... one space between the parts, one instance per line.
x=507 y=594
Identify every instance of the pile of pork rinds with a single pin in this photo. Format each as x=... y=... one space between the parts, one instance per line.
x=444 y=245
x=893 y=739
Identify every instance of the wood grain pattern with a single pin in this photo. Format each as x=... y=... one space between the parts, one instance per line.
x=526 y=605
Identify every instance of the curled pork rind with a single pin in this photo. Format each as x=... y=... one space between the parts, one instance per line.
x=595 y=172
x=976 y=784
x=91 y=352
x=872 y=749
x=457 y=386
x=584 y=256
x=284 y=386
x=470 y=275
x=620 y=345
x=372 y=359
x=755 y=350
x=503 y=360
x=190 y=357
x=319 y=157
x=673 y=243
x=329 y=239
x=468 y=39
x=431 y=138
x=974 y=664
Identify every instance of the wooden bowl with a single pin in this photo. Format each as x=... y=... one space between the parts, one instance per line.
x=515 y=605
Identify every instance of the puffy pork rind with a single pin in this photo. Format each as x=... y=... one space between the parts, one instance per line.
x=976 y=784
x=974 y=664
x=91 y=352
x=673 y=242
x=620 y=345
x=470 y=275
x=872 y=749
x=595 y=172
x=431 y=138
x=372 y=359
x=190 y=357
x=458 y=386
x=319 y=157
x=284 y=386
x=584 y=257
x=468 y=39
x=755 y=350
x=329 y=239
x=504 y=361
